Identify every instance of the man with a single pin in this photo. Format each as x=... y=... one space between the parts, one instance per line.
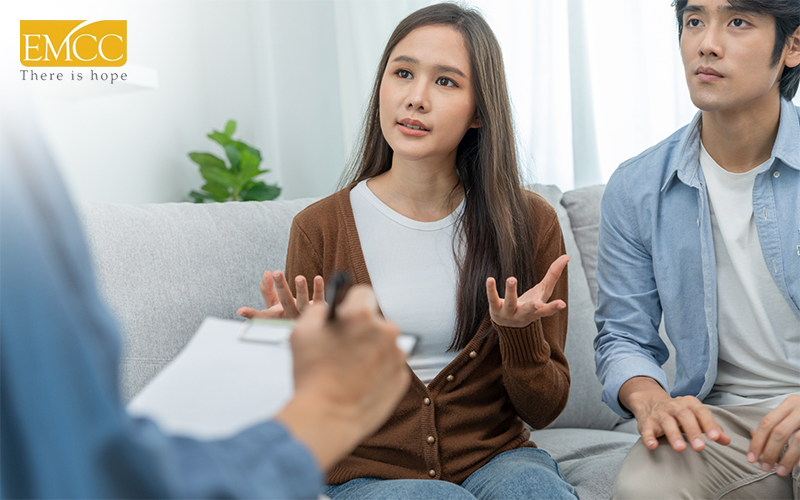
x=705 y=228
x=64 y=432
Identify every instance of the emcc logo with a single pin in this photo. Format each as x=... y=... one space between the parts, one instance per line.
x=73 y=43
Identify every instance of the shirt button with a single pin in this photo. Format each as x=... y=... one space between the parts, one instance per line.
x=776 y=174
x=431 y=439
x=426 y=401
x=450 y=378
x=432 y=473
x=473 y=355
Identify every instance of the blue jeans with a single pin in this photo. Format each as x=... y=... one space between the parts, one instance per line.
x=524 y=473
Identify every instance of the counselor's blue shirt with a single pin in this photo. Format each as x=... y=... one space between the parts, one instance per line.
x=656 y=254
x=64 y=432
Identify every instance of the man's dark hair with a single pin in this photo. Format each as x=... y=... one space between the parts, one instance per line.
x=787 y=19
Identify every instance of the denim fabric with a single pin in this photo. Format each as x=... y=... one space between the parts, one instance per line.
x=64 y=432
x=656 y=254
x=523 y=473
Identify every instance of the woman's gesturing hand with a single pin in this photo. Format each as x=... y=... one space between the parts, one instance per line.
x=279 y=300
x=519 y=312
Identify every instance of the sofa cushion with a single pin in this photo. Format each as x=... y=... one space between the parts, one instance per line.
x=589 y=459
x=163 y=268
x=585 y=408
x=583 y=208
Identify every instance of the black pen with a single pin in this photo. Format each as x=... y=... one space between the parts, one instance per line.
x=335 y=291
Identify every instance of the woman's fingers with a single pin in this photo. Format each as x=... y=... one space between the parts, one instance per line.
x=544 y=310
x=268 y=290
x=319 y=290
x=285 y=296
x=553 y=275
x=250 y=313
x=495 y=303
x=510 y=300
x=246 y=312
x=302 y=292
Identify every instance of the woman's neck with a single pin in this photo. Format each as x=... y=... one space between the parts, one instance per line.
x=417 y=190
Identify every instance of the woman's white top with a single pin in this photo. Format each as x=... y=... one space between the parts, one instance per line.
x=414 y=274
x=759 y=336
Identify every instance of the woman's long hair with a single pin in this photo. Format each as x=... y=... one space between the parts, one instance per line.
x=496 y=224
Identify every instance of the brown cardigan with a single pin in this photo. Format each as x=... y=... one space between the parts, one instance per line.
x=474 y=408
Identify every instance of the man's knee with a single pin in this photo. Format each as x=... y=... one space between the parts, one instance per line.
x=658 y=473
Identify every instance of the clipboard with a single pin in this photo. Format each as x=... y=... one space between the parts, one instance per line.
x=229 y=376
x=278 y=331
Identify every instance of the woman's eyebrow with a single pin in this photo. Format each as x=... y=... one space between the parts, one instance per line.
x=439 y=67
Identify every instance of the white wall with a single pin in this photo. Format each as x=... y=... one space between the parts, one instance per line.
x=301 y=103
x=131 y=147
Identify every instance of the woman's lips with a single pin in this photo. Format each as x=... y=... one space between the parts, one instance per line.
x=413 y=129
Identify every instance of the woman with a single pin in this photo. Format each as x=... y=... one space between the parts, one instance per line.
x=435 y=206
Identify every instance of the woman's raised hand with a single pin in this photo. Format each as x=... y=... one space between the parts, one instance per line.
x=278 y=297
x=519 y=312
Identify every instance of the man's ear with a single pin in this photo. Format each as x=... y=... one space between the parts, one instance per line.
x=793 y=49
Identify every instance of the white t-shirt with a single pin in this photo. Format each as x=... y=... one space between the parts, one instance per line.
x=414 y=274
x=759 y=336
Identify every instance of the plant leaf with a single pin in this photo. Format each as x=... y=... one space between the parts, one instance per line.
x=220 y=138
x=207 y=160
x=217 y=190
x=234 y=157
x=200 y=197
x=230 y=127
x=253 y=151
x=220 y=176
x=261 y=192
x=248 y=167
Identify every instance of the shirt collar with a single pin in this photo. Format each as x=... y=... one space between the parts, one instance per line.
x=685 y=164
x=787 y=144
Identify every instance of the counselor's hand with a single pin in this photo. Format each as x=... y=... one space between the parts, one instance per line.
x=520 y=312
x=772 y=434
x=279 y=300
x=659 y=414
x=349 y=376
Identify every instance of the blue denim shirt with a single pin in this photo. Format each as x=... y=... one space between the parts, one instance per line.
x=64 y=432
x=656 y=254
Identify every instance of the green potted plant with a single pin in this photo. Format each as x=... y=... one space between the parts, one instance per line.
x=234 y=182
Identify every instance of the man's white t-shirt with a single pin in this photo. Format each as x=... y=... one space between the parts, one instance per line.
x=414 y=274
x=759 y=335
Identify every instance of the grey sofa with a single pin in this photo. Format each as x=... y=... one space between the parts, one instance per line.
x=165 y=267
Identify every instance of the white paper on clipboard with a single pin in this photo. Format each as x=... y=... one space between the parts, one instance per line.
x=229 y=376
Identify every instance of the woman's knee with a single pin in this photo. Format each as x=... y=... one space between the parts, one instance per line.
x=398 y=489
x=521 y=473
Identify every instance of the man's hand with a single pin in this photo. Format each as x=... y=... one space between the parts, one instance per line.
x=772 y=434
x=532 y=305
x=349 y=376
x=659 y=414
x=279 y=300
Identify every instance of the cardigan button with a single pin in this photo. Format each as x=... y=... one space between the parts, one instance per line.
x=431 y=439
x=426 y=401
x=473 y=355
x=432 y=473
x=450 y=378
